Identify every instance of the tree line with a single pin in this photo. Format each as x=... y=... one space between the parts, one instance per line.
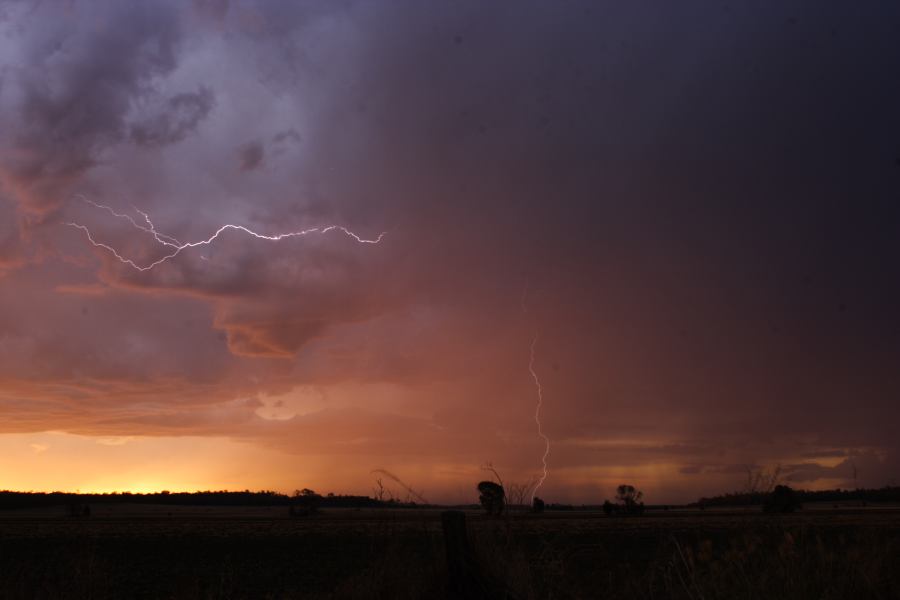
x=16 y=500
x=877 y=495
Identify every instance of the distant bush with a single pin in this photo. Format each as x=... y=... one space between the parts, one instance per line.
x=537 y=505
x=492 y=497
x=77 y=508
x=305 y=502
x=782 y=499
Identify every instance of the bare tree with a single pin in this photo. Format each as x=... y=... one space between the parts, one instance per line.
x=378 y=491
x=410 y=492
x=761 y=480
x=490 y=467
x=517 y=494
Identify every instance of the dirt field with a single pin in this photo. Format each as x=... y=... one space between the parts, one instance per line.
x=197 y=552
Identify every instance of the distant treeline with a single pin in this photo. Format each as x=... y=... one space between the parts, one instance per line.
x=885 y=494
x=308 y=498
x=15 y=500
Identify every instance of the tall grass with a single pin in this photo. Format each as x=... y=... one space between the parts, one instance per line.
x=401 y=556
x=771 y=561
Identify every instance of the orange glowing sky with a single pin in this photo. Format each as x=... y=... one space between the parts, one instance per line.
x=695 y=208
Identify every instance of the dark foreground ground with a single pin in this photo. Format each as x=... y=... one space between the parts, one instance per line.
x=197 y=552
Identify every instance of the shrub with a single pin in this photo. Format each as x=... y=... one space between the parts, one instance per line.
x=782 y=499
x=492 y=497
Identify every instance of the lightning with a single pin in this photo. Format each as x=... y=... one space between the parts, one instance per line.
x=176 y=247
x=523 y=302
x=537 y=418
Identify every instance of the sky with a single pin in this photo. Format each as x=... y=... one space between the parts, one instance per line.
x=691 y=210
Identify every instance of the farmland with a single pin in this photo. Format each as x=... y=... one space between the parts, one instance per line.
x=148 y=551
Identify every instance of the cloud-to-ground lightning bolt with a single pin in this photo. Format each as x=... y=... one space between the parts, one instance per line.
x=177 y=247
x=537 y=418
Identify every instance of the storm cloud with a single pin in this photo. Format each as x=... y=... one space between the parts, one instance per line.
x=694 y=207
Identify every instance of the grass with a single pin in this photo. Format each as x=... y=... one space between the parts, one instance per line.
x=232 y=553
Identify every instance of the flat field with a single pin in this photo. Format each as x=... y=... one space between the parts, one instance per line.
x=143 y=551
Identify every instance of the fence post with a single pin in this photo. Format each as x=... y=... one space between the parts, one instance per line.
x=465 y=578
x=456 y=542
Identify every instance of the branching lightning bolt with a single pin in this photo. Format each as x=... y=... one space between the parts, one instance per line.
x=537 y=418
x=177 y=246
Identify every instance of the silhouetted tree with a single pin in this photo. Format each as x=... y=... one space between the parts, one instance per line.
x=305 y=503
x=379 y=490
x=537 y=505
x=492 y=497
x=782 y=499
x=629 y=500
x=608 y=507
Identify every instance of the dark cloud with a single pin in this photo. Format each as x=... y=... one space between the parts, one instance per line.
x=251 y=155
x=289 y=135
x=862 y=469
x=181 y=115
x=77 y=74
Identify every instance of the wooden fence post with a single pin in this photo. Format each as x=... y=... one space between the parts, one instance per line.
x=464 y=576
x=456 y=542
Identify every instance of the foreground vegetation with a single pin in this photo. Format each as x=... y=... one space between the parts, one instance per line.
x=147 y=551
